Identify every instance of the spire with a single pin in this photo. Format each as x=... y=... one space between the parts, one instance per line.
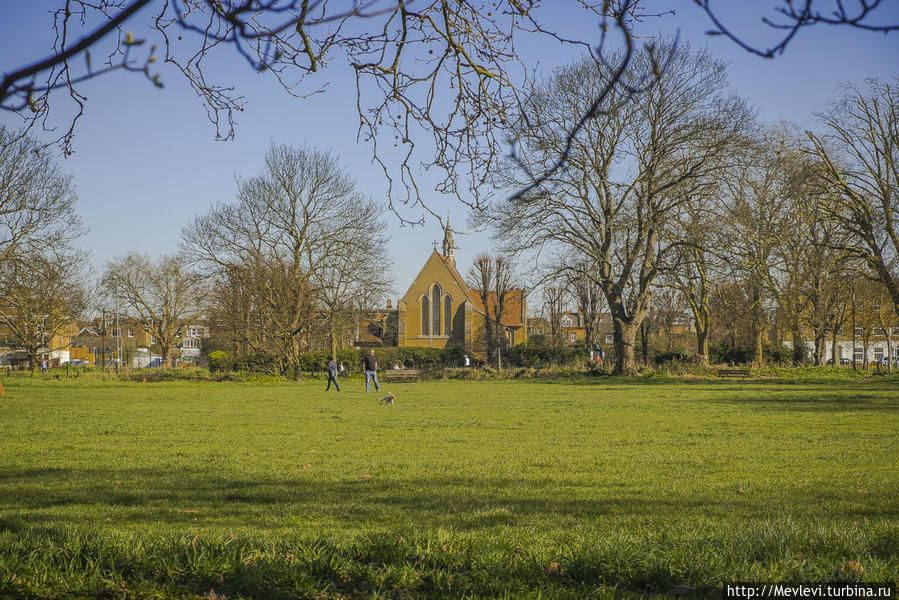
x=448 y=244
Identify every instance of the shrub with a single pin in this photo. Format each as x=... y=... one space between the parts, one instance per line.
x=667 y=357
x=778 y=354
x=218 y=361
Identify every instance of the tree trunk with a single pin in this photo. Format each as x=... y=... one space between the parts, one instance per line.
x=798 y=343
x=702 y=345
x=644 y=342
x=820 y=346
x=625 y=339
x=889 y=332
x=757 y=356
x=490 y=339
x=758 y=347
x=333 y=339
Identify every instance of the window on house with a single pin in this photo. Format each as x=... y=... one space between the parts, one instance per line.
x=859 y=332
x=572 y=337
x=878 y=354
x=447 y=314
x=131 y=333
x=610 y=339
x=425 y=315
x=859 y=355
x=878 y=331
x=436 y=294
x=115 y=332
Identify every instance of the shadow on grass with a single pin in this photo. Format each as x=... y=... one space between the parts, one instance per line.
x=189 y=499
x=436 y=565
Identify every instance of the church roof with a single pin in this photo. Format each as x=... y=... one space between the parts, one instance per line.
x=436 y=257
x=512 y=312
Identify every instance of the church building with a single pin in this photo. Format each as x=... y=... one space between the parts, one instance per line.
x=440 y=310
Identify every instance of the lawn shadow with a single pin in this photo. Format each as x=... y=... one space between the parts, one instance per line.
x=194 y=498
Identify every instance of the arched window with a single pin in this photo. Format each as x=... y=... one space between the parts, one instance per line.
x=425 y=314
x=447 y=314
x=436 y=293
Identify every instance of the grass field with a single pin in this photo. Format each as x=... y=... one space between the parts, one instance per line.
x=565 y=489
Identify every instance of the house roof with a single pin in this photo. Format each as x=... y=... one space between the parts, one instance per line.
x=511 y=316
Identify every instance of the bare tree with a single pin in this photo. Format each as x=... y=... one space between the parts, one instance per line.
x=756 y=208
x=887 y=320
x=615 y=199
x=825 y=274
x=356 y=273
x=553 y=306
x=41 y=296
x=165 y=294
x=696 y=261
x=859 y=158
x=491 y=279
x=587 y=294
x=37 y=201
x=301 y=244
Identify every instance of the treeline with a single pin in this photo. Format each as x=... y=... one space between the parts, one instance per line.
x=290 y=265
x=750 y=230
x=671 y=198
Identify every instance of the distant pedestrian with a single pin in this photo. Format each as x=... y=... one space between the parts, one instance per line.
x=596 y=353
x=370 y=365
x=332 y=375
x=466 y=361
x=44 y=366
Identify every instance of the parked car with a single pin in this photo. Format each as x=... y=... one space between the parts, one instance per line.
x=77 y=363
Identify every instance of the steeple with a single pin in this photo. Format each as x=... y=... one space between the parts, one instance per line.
x=448 y=243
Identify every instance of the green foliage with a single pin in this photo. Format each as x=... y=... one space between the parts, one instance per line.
x=778 y=354
x=614 y=487
x=219 y=361
x=724 y=355
x=537 y=353
x=670 y=357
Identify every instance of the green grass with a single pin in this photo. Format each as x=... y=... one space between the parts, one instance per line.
x=573 y=489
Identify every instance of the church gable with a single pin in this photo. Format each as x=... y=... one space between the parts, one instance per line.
x=434 y=307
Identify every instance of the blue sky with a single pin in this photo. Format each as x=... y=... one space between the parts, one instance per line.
x=146 y=161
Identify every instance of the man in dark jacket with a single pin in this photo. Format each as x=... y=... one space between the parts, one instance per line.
x=332 y=375
x=370 y=364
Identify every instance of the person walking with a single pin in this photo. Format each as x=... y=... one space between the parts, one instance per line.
x=466 y=361
x=370 y=364
x=332 y=375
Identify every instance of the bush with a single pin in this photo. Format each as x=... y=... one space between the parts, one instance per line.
x=778 y=354
x=667 y=357
x=536 y=353
x=732 y=356
x=219 y=361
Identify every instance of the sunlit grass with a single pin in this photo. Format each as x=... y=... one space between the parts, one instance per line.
x=484 y=489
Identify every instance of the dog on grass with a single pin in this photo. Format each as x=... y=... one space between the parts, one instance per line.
x=388 y=399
